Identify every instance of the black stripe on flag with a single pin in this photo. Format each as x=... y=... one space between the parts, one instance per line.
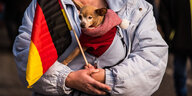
x=57 y=25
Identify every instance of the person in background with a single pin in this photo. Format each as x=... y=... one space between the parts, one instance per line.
x=176 y=23
x=139 y=74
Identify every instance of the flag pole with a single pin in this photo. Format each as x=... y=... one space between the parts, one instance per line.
x=80 y=47
x=76 y=37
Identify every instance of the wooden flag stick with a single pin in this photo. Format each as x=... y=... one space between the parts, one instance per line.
x=80 y=47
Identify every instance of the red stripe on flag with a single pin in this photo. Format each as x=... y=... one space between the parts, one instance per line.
x=41 y=38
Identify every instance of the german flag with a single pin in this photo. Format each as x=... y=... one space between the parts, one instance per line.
x=50 y=38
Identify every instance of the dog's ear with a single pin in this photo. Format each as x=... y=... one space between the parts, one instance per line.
x=101 y=11
x=78 y=4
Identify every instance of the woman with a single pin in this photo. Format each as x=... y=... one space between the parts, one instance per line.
x=139 y=74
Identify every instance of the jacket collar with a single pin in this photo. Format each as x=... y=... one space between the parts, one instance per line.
x=116 y=5
x=68 y=2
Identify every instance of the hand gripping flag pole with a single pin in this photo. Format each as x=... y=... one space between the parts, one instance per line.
x=50 y=38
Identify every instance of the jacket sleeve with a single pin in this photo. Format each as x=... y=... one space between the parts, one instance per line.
x=141 y=73
x=53 y=81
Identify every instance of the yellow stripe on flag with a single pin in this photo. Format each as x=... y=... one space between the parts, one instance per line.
x=34 y=67
x=66 y=19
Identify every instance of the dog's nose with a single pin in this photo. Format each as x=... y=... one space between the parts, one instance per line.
x=82 y=25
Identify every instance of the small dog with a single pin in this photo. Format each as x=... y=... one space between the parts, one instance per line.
x=90 y=17
x=98 y=25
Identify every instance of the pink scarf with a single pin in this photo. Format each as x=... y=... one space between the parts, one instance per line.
x=99 y=39
x=111 y=20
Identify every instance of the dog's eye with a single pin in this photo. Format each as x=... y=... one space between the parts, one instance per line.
x=80 y=17
x=90 y=17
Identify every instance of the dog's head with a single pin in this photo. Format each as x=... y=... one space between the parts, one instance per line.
x=90 y=16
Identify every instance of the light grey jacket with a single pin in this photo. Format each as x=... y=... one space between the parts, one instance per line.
x=139 y=74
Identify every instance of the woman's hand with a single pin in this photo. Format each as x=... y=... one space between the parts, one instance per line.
x=82 y=80
x=99 y=76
